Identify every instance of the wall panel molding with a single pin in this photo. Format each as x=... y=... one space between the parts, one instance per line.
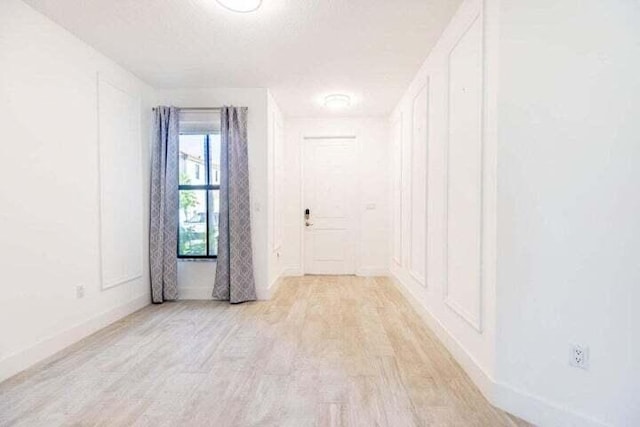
x=120 y=200
x=464 y=158
x=277 y=181
x=397 y=126
x=418 y=165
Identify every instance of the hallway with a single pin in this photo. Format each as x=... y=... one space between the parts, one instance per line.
x=326 y=351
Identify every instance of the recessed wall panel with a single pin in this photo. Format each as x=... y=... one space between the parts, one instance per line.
x=278 y=183
x=397 y=190
x=463 y=290
x=120 y=185
x=418 y=217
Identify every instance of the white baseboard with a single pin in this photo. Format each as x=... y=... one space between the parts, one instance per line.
x=47 y=347
x=362 y=271
x=477 y=374
x=517 y=402
x=275 y=285
x=195 y=293
x=372 y=271
x=538 y=411
x=262 y=294
x=292 y=272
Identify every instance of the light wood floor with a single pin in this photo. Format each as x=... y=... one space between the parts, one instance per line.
x=326 y=351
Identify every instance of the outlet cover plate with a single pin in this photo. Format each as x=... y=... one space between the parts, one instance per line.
x=579 y=356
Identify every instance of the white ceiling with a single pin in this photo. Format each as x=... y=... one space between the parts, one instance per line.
x=300 y=49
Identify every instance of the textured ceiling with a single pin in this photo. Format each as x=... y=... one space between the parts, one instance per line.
x=300 y=49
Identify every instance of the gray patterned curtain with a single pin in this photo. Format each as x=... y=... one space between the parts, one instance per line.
x=163 y=227
x=234 y=271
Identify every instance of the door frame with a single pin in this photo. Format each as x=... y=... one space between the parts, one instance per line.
x=303 y=138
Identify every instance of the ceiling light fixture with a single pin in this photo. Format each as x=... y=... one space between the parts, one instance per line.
x=241 y=6
x=337 y=101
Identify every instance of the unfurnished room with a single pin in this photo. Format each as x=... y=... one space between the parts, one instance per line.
x=265 y=213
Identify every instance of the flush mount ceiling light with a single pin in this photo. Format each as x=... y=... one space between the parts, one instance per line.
x=241 y=6
x=337 y=101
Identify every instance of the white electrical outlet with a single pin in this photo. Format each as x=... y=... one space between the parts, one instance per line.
x=579 y=356
x=80 y=291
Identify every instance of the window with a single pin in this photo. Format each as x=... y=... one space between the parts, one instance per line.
x=199 y=195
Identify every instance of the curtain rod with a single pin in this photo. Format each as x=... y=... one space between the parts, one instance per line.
x=198 y=108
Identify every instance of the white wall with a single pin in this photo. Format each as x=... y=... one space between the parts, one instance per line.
x=49 y=220
x=559 y=204
x=372 y=173
x=276 y=184
x=49 y=117
x=569 y=210
x=443 y=222
x=195 y=278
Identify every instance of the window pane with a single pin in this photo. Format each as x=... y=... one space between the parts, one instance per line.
x=214 y=216
x=214 y=156
x=191 y=160
x=192 y=236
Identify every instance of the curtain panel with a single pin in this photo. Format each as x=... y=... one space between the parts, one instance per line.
x=234 y=281
x=163 y=227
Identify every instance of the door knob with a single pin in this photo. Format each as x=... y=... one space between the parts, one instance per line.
x=307 y=213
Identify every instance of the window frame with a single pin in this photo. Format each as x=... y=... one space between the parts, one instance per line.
x=207 y=187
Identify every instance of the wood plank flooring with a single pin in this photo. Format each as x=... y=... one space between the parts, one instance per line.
x=325 y=351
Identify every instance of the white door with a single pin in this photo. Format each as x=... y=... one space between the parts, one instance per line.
x=329 y=195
